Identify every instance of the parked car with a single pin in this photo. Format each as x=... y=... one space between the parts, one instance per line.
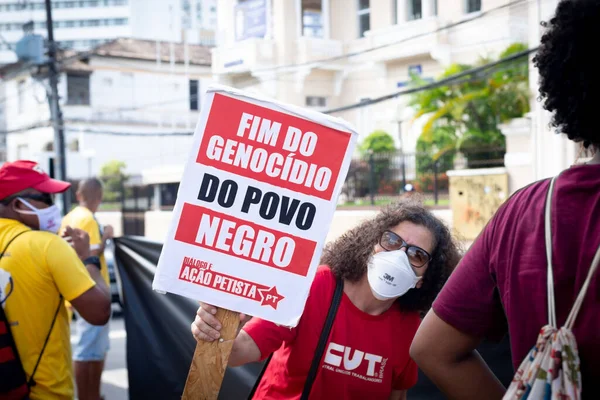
x=109 y=256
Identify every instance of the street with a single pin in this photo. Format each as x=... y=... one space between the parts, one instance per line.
x=114 y=378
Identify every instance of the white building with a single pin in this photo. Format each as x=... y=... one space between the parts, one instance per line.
x=115 y=103
x=82 y=25
x=276 y=48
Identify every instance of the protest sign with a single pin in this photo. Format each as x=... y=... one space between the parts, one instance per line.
x=254 y=206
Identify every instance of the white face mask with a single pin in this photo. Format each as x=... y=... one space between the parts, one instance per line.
x=49 y=218
x=390 y=275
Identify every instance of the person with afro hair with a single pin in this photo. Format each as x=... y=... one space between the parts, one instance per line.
x=500 y=286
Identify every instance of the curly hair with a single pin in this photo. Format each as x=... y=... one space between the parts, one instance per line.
x=348 y=255
x=569 y=80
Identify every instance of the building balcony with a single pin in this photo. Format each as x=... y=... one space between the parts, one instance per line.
x=144 y=118
x=424 y=41
x=315 y=49
x=243 y=56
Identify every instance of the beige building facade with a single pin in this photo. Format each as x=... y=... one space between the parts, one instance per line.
x=277 y=48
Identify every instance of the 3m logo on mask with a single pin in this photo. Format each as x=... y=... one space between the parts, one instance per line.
x=388 y=277
x=352 y=362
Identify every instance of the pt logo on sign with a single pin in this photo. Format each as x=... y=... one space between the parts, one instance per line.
x=337 y=355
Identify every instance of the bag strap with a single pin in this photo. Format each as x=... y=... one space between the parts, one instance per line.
x=548 y=238
x=10 y=242
x=335 y=303
x=314 y=367
x=31 y=382
x=550 y=280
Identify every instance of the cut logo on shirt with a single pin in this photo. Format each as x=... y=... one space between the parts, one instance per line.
x=345 y=360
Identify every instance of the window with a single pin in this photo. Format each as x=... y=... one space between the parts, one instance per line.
x=78 y=90
x=435 y=7
x=186 y=12
x=364 y=17
x=194 y=95
x=199 y=11
x=415 y=10
x=394 y=12
x=316 y=101
x=312 y=18
x=20 y=96
x=473 y=6
x=168 y=195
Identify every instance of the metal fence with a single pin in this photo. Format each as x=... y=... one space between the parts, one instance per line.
x=381 y=178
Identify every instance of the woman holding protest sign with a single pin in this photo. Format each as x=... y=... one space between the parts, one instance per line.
x=375 y=283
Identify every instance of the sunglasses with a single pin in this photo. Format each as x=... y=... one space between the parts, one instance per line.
x=417 y=257
x=45 y=198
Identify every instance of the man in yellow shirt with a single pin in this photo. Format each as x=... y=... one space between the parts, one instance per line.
x=89 y=353
x=37 y=271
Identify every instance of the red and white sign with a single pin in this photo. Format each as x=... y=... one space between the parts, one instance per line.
x=254 y=206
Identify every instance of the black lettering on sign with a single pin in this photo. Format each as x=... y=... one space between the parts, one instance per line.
x=268 y=206
x=253 y=196
x=210 y=187
x=227 y=193
x=306 y=216
x=272 y=205
x=288 y=210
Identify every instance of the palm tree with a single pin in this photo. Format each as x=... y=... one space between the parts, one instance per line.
x=466 y=115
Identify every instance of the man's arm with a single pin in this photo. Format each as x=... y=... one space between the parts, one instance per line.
x=94 y=304
x=98 y=244
x=448 y=357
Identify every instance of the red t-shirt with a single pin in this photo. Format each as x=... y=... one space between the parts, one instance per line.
x=366 y=356
x=502 y=278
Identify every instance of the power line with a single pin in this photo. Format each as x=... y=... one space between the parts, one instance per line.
x=27 y=128
x=442 y=82
x=6 y=43
x=458 y=78
x=336 y=58
x=461 y=77
x=137 y=134
x=404 y=40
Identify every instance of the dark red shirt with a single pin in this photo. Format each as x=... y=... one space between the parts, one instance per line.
x=366 y=356
x=502 y=278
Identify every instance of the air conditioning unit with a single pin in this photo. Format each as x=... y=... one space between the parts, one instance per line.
x=31 y=49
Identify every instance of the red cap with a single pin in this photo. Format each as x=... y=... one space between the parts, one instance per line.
x=20 y=175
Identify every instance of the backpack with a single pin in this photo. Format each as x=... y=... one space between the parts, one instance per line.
x=551 y=370
x=14 y=384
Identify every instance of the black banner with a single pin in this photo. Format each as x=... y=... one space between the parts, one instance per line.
x=160 y=346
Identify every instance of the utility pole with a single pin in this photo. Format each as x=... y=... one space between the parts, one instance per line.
x=60 y=162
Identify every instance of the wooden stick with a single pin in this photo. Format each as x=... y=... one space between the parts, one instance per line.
x=210 y=360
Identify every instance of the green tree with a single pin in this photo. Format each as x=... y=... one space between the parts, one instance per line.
x=466 y=115
x=377 y=142
x=112 y=174
x=377 y=152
